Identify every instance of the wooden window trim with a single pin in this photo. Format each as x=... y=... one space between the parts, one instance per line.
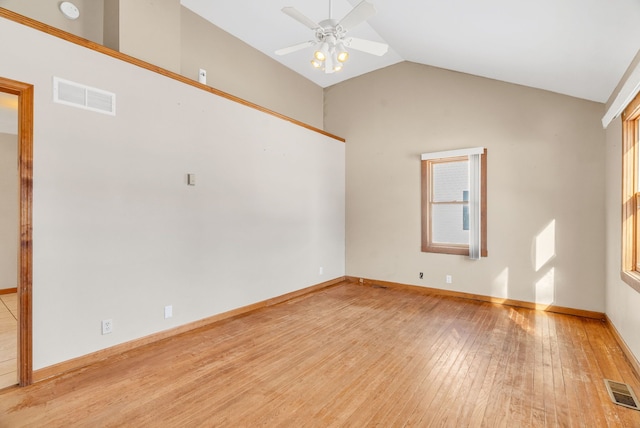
x=630 y=274
x=462 y=250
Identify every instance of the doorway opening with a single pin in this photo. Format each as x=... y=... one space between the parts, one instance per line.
x=9 y=239
x=24 y=149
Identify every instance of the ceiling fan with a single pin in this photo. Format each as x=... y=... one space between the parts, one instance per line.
x=331 y=37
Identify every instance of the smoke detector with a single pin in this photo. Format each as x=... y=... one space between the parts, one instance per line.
x=69 y=10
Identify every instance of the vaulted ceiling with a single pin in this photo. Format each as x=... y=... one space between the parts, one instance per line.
x=574 y=47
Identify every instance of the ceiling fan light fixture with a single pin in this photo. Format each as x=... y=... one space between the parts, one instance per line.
x=343 y=55
x=322 y=53
x=329 y=65
x=331 y=37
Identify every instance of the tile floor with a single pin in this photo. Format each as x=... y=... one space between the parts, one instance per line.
x=8 y=339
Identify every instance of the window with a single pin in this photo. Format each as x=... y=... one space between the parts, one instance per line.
x=631 y=194
x=454 y=202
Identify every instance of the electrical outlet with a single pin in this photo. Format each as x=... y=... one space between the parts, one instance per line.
x=449 y=279
x=421 y=275
x=107 y=326
x=320 y=271
x=168 y=311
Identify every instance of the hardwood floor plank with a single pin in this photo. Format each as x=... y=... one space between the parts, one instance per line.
x=414 y=384
x=450 y=406
x=349 y=355
x=572 y=360
x=606 y=353
x=483 y=404
x=438 y=368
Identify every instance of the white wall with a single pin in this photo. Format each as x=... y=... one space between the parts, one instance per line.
x=9 y=235
x=118 y=234
x=545 y=182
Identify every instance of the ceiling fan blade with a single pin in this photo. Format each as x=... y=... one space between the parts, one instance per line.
x=363 y=11
x=368 y=46
x=294 y=48
x=298 y=16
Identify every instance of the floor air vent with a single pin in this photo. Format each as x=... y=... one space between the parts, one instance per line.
x=622 y=394
x=82 y=96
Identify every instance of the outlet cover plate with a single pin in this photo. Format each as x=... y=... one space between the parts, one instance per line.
x=107 y=326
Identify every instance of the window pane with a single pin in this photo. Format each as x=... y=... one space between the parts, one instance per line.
x=447 y=223
x=450 y=181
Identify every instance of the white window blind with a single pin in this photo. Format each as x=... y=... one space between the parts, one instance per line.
x=475 y=189
x=449 y=202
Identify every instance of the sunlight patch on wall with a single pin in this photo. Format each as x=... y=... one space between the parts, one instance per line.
x=546 y=288
x=500 y=284
x=545 y=245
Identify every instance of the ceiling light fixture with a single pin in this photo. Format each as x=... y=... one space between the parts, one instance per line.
x=331 y=39
x=343 y=55
x=322 y=53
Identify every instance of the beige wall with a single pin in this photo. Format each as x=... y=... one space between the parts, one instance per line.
x=8 y=211
x=235 y=67
x=111 y=23
x=545 y=182
x=89 y=25
x=150 y=30
x=623 y=302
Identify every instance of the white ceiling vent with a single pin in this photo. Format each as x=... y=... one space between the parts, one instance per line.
x=82 y=96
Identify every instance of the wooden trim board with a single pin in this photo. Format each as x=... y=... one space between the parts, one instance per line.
x=623 y=345
x=507 y=302
x=56 y=32
x=8 y=291
x=85 y=360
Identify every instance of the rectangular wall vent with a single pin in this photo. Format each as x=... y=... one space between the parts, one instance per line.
x=621 y=394
x=82 y=96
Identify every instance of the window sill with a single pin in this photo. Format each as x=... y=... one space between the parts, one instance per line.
x=632 y=279
x=460 y=251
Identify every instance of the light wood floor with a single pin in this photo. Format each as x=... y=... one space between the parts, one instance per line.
x=353 y=356
x=8 y=339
